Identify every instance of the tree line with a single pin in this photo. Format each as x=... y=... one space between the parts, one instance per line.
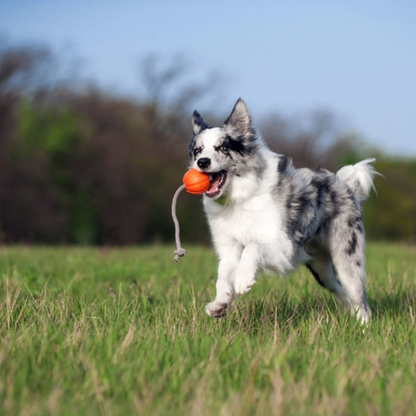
x=80 y=164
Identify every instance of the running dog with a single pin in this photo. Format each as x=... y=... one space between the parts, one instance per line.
x=264 y=213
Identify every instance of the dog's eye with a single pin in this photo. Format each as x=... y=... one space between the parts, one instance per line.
x=224 y=148
x=197 y=151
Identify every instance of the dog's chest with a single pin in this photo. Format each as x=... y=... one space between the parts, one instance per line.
x=256 y=220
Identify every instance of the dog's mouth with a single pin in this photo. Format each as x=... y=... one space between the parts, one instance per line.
x=217 y=181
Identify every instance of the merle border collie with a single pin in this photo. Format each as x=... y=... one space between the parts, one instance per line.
x=264 y=213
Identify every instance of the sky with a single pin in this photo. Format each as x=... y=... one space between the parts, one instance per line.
x=356 y=59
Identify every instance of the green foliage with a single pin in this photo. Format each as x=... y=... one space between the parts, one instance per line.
x=46 y=130
x=91 y=167
x=390 y=214
x=54 y=138
x=111 y=331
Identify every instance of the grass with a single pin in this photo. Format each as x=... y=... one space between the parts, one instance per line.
x=123 y=332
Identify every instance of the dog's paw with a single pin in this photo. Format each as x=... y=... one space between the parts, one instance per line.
x=243 y=286
x=363 y=314
x=217 y=309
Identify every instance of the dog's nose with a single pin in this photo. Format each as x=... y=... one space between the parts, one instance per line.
x=204 y=162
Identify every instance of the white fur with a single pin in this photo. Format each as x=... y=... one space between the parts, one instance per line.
x=362 y=172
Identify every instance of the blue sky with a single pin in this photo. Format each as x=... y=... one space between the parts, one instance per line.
x=355 y=58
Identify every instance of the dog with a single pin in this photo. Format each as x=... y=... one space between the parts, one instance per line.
x=265 y=214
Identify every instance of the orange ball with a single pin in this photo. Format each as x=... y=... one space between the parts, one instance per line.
x=195 y=182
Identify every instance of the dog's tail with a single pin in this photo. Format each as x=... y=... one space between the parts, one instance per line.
x=359 y=177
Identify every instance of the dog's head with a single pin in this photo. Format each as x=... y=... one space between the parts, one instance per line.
x=222 y=152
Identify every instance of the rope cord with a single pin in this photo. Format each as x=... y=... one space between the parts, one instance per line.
x=180 y=252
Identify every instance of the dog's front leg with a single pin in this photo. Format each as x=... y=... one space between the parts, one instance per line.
x=225 y=285
x=247 y=268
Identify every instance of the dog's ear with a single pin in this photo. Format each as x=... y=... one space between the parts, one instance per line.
x=239 y=118
x=198 y=123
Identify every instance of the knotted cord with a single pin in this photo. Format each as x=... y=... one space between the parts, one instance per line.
x=179 y=252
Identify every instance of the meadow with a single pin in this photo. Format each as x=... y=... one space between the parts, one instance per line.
x=107 y=331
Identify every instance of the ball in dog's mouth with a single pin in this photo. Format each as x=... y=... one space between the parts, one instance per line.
x=217 y=181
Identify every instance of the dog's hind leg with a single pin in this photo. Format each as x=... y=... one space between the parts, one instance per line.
x=225 y=283
x=349 y=260
x=323 y=271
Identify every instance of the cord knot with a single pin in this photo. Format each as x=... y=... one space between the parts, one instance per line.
x=179 y=253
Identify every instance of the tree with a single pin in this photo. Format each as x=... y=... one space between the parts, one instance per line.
x=311 y=140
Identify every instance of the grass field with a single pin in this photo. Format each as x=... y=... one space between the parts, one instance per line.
x=123 y=332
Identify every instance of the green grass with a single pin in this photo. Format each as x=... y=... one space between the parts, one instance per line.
x=123 y=332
